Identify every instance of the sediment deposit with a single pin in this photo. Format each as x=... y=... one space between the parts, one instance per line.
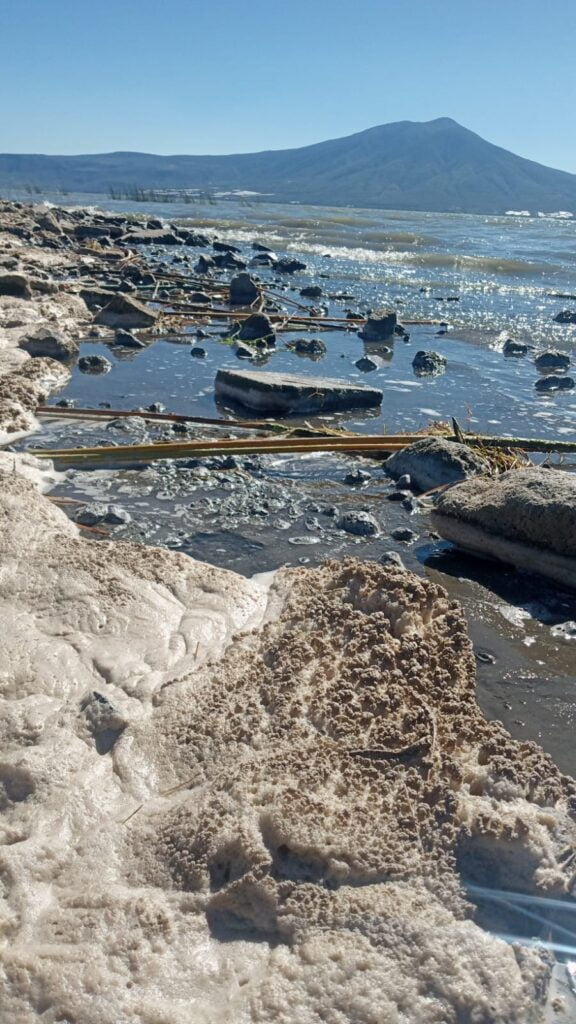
x=241 y=800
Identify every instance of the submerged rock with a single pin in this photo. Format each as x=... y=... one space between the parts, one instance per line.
x=553 y=359
x=514 y=348
x=554 y=383
x=428 y=364
x=567 y=316
x=289 y=266
x=312 y=347
x=50 y=343
x=94 y=364
x=526 y=517
x=435 y=461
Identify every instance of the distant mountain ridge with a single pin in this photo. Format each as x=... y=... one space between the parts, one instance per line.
x=431 y=165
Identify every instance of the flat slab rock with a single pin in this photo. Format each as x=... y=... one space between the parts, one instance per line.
x=525 y=517
x=285 y=393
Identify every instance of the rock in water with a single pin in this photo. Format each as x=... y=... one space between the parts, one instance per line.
x=553 y=359
x=366 y=364
x=243 y=290
x=256 y=326
x=567 y=316
x=312 y=347
x=554 y=383
x=289 y=266
x=46 y=342
x=514 y=348
x=94 y=364
x=361 y=524
x=124 y=311
x=428 y=364
x=435 y=461
x=305 y=766
x=289 y=393
x=312 y=291
x=379 y=327
x=526 y=517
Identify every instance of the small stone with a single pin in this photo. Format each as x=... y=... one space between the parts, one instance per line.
x=398 y=495
x=94 y=364
x=357 y=476
x=101 y=714
x=117 y=515
x=552 y=360
x=402 y=533
x=156 y=407
x=567 y=316
x=392 y=558
x=428 y=363
x=514 y=348
x=311 y=292
x=197 y=352
x=554 y=384
x=92 y=514
x=362 y=524
x=403 y=481
x=411 y=504
x=128 y=340
x=365 y=364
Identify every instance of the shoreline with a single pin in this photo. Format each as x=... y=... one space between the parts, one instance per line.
x=232 y=785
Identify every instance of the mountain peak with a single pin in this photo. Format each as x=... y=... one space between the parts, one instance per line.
x=411 y=165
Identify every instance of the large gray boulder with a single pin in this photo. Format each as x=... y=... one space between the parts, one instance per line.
x=435 y=461
x=50 y=343
x=123 y=311
x=526 y=517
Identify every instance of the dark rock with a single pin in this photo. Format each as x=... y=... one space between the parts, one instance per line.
x=197 y=352
x=225 y=247
x=362 y=524
x=193 y=239
x=398 y=495
x=379 y=326
x=66 y=403
x=261 y=248
x=311 y=292
x=313 y=347
x=289 y=266
x=554 y=383
x=392 y=558
x=117 y=516
x=204 y=264
x=357 y=477
x=404 y=481
x=161 y=236
x=91 y=515
x=46 y=342
x=263 y=259
x=156 y=407
x=402 y=533
x=514 y=348
x=243 y=290
x=200 y=298
x=552 y=360
x=128 y=340
x=83 y=231
x=366 y=364
x=256 y=326
x=229 y=261
x=411 y=504
x=15 y=284
x=244 y=351
x=94 y=364
x=567 y=316
x=124 y=311
x=428 y=363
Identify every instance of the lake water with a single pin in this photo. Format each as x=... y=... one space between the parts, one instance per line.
x=507 y=274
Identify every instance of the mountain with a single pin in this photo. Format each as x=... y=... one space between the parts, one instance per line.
x=408 y=165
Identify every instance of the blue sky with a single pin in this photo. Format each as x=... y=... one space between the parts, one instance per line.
x=222 y=76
